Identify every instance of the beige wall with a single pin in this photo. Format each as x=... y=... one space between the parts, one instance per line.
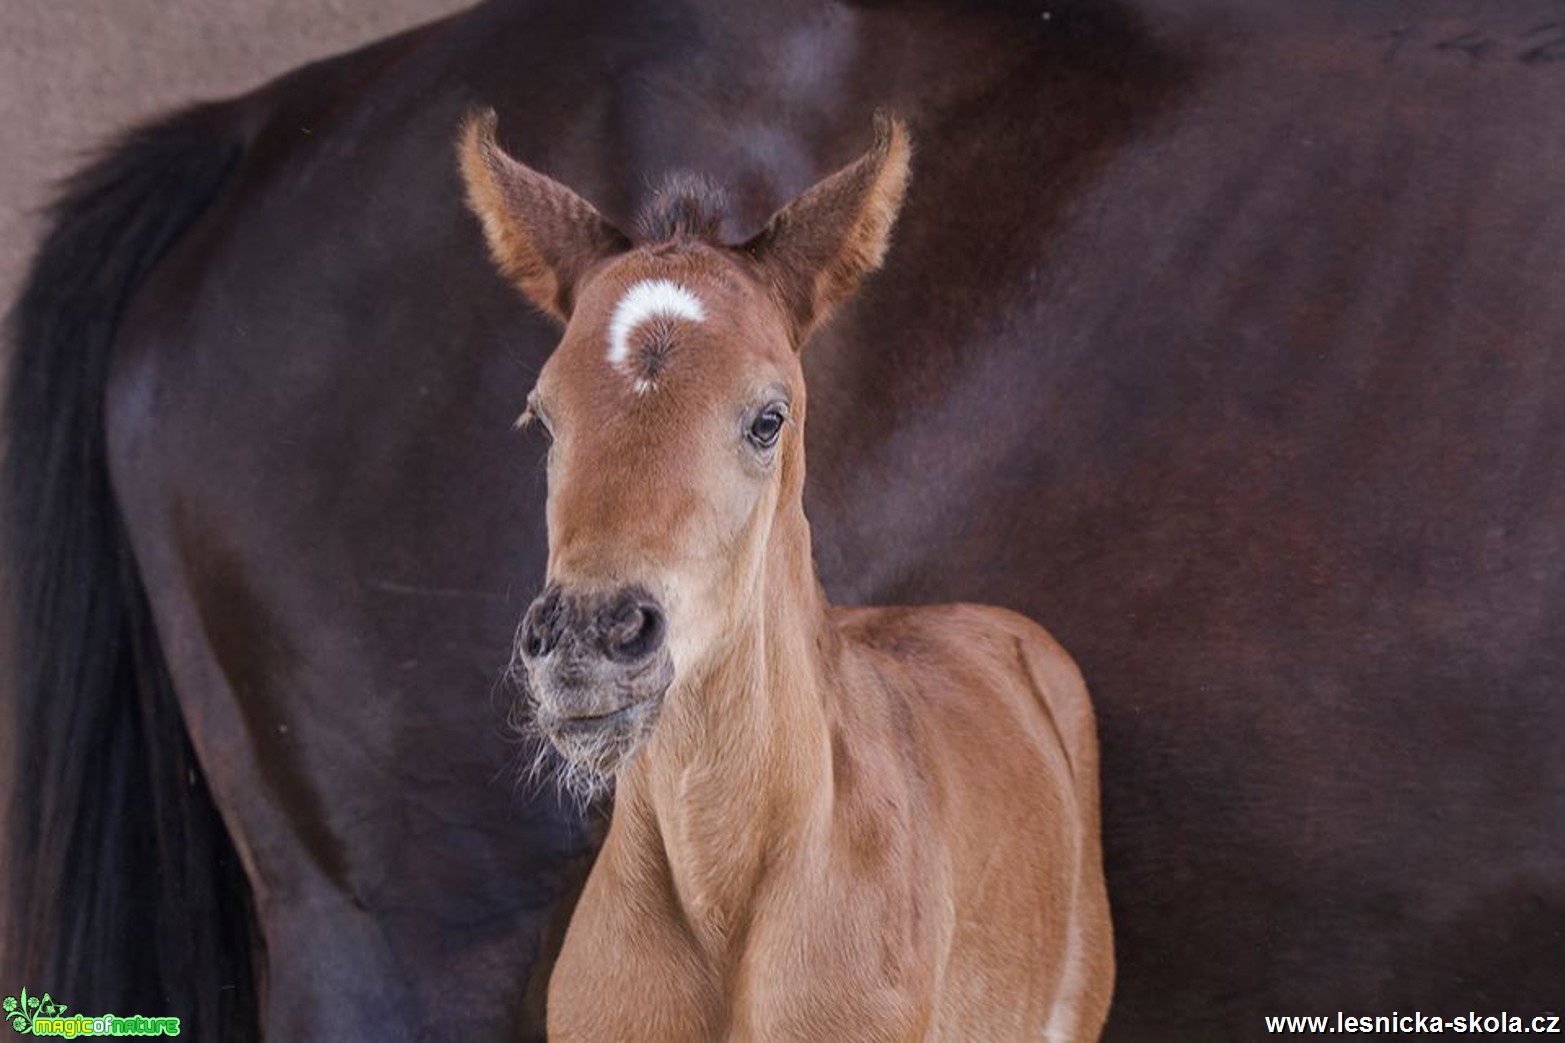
x=73 y=71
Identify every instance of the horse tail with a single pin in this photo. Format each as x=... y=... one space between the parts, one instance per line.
x=126 y=894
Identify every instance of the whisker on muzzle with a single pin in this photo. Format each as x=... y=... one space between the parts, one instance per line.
x=536 y=763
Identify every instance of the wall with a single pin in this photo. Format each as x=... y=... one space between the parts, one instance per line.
x=74 y=71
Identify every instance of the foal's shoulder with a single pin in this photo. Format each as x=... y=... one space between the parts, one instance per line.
x=1002 y=650
x=917 y=627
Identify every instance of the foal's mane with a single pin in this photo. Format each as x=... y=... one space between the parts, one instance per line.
x=683 y=207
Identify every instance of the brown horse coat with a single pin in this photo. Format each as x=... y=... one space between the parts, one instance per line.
x=862 y=824
x=932 y=872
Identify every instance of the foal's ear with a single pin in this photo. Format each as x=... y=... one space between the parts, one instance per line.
x=542 y=235
x=816 y=249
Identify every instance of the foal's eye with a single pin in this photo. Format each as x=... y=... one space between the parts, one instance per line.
x=767 y=426
x=532 y=417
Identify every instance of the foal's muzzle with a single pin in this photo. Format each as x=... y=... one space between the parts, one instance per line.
x=597 y=666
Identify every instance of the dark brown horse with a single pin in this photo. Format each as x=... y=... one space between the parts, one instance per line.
x=1221 y=338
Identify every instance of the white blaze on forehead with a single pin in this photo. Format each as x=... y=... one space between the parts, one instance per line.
x=649 y=299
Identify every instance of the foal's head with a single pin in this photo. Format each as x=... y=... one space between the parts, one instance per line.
x=675 y=406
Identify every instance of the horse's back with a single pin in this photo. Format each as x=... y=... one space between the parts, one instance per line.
x=1003 y=736
x=968 y=660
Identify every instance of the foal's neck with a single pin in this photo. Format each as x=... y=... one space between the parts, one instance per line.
x=739 y=767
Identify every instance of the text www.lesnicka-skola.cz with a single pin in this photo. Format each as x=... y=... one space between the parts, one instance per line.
x=1412 y=1024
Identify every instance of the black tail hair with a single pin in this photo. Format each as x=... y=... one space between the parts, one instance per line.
x=125 y=891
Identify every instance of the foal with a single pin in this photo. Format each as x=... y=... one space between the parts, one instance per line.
x=830 y=824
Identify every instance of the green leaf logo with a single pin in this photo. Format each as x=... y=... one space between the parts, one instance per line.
x=24 y=1011
x=18 y=1011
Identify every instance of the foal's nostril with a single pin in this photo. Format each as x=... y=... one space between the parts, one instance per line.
x=534 y=646
x=632 y=630
x=624 y=627
x=541 y=625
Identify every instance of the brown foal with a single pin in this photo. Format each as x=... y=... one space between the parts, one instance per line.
x=830 y=824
